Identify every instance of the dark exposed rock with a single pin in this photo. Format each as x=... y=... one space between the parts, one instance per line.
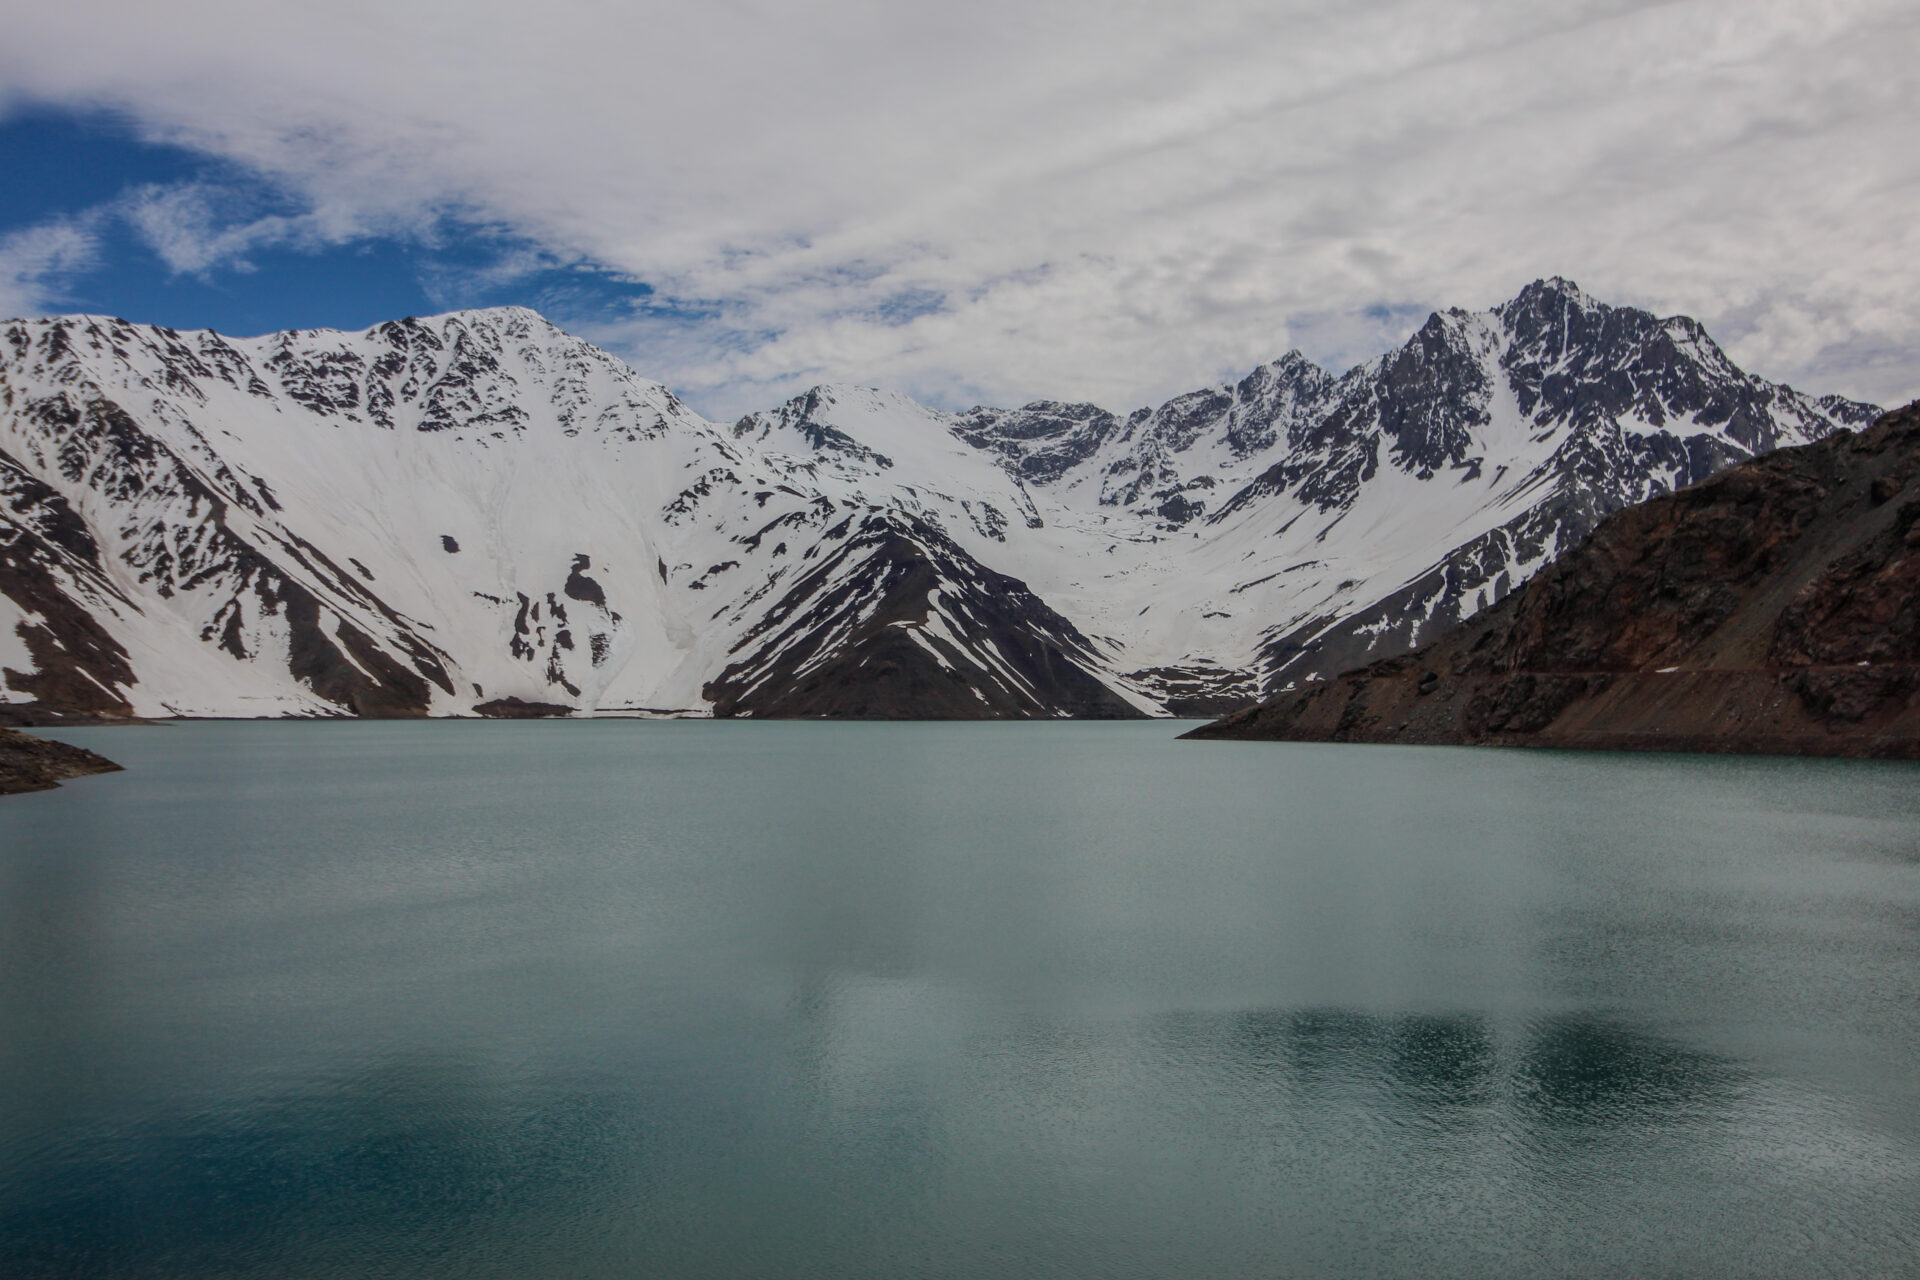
x=520 y=709
x=1774 y=608
x=856 y=638
x=29 y=763
x=78 y=666
x=353 y=673
x=1042 y=441
x=580 y=586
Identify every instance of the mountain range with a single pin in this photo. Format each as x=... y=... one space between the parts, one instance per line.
x=479 y=513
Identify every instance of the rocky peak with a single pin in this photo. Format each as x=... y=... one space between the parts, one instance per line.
x=806 y=424
x=1039 y=442
x=1550 y=294
x=1432 y=395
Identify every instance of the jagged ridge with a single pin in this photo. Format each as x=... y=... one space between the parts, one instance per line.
x=477 y=510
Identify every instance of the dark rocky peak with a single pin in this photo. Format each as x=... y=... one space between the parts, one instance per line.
x=1547 y=302
x=1852 y=414
x=1292 y=377
x=856 y=636
x=1572 y=364
x=1248 y=415
x=1044 y=418
x=805 y=419
x=1274 y=400
x=410 y=334
x=1555 y=332
x=1591 y=366
x=1430 y=396
x=1559 y=337
x=1041 y=441
x=1184 y=420
x=1296 y=364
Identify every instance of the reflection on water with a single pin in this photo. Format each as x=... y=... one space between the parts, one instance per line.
x=423 y=1165
x=594 y=1000
x=1578 y=1072
x=390 y=1171
x=1297 y=1142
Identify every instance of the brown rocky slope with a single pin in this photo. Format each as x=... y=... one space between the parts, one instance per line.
x=1772 y=609
x=28 y=763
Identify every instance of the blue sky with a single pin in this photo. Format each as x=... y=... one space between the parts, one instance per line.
x=92 y=168
x=1105 y=200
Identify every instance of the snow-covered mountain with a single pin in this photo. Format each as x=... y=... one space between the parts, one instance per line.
x=480 y=512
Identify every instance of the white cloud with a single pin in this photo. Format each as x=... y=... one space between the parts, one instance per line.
x=1108 y=201
x=36 y=261
x=198 y=227
x=186 y=227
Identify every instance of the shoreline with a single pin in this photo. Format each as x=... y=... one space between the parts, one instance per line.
x=29 y=763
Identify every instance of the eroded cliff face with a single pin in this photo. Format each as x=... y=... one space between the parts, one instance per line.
x=1773 y=609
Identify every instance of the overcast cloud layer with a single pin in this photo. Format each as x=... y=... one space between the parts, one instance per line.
x=999 y=201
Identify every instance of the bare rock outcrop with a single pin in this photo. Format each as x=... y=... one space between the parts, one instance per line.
x=28 y=763
x=1772 y=609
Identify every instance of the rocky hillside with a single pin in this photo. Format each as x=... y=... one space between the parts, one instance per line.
x=479 y=514
x=28 y=763
x=1774 y=608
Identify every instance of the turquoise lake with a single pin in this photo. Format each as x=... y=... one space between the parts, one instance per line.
x=691 y=999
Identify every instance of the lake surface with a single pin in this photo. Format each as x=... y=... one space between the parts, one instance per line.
x=635 y=999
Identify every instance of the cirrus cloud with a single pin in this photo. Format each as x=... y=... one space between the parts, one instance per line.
x=36 y=261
